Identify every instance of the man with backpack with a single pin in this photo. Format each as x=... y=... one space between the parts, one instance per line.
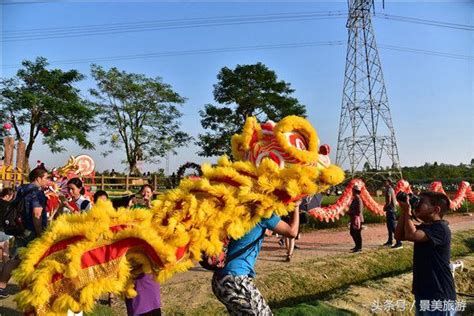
x=233 y=284
x=25 y=218
x=390 y=213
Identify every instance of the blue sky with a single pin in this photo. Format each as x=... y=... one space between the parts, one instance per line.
x=431 y=97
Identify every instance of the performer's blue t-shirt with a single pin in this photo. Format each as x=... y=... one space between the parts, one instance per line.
x=244 y=264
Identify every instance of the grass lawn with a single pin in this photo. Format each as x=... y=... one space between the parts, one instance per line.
x=316 y=308
x=314 y=279
x=300 y=288
x=101 y=310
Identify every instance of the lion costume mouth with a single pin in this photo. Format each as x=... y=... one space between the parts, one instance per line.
x=80 y=257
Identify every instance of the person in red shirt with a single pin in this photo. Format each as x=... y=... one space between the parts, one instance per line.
x=357 y=218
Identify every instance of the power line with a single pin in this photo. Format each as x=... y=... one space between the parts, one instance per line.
x=160 y=25
x=128 y=24
x=192 y=52
x=450 y=25
x=243 y=48
x=40 y=33
x=25 y=2
x=426 y=52
x=195 y=22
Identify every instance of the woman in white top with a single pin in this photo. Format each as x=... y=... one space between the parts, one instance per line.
x=79 y=203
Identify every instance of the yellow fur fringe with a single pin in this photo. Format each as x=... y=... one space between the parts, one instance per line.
x=229 y=200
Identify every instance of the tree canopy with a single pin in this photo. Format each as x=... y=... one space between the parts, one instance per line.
x=439 y=172
x=140 y=115
x=41 y=100
x=247 y=90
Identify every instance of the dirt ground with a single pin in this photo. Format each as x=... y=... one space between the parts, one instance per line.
x=193 y=287
x=321 y=243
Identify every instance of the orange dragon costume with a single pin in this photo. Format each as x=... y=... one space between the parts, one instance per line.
x=80 y=257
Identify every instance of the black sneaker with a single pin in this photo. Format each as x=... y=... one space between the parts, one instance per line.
x=4 y=293
x=388 y=244
x=297 y=247
x=397 y=246
x=357 y=250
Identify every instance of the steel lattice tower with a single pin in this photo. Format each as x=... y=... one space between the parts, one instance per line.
x=366 y=135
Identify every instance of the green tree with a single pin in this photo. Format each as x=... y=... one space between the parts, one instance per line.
x=41 y=100
x=247 y=90
x=140 y=115
x=448 y=174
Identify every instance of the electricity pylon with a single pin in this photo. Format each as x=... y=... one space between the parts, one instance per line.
x=366 y=138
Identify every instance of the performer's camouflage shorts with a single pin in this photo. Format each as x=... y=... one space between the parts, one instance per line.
x=239 y=295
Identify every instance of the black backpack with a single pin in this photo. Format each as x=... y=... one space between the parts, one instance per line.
x=84 y=205
x=12 y=219
x=215 y=263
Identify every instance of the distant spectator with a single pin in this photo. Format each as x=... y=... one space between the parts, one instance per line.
x=306 y=205
x=127 y=201
x=146 y=196
x=357 y=218
x=6 y=196
x=148 y=299
x=78 y=202
x=289 y=241
x=311 y=202
x=390 y=214
x=100 y=194
x=35 y=214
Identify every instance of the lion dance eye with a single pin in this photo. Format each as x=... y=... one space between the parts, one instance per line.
x=273 y=155
x=296 y=140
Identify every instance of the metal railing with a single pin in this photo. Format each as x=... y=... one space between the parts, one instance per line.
x=113 y=185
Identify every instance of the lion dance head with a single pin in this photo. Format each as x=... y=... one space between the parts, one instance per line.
x=292 y=141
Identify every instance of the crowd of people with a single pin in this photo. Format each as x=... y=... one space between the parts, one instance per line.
x=36 y=217
x=233 y=285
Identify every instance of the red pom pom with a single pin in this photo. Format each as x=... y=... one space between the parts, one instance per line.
x=324 y=149
x=7 y=126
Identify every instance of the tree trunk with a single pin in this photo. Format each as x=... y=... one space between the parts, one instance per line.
x=20 y=155
x=31 y=140
x=26 y=165
x=133 y=170
x=28 y=150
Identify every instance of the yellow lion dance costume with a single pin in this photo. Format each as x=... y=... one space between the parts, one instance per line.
x=80 y=257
